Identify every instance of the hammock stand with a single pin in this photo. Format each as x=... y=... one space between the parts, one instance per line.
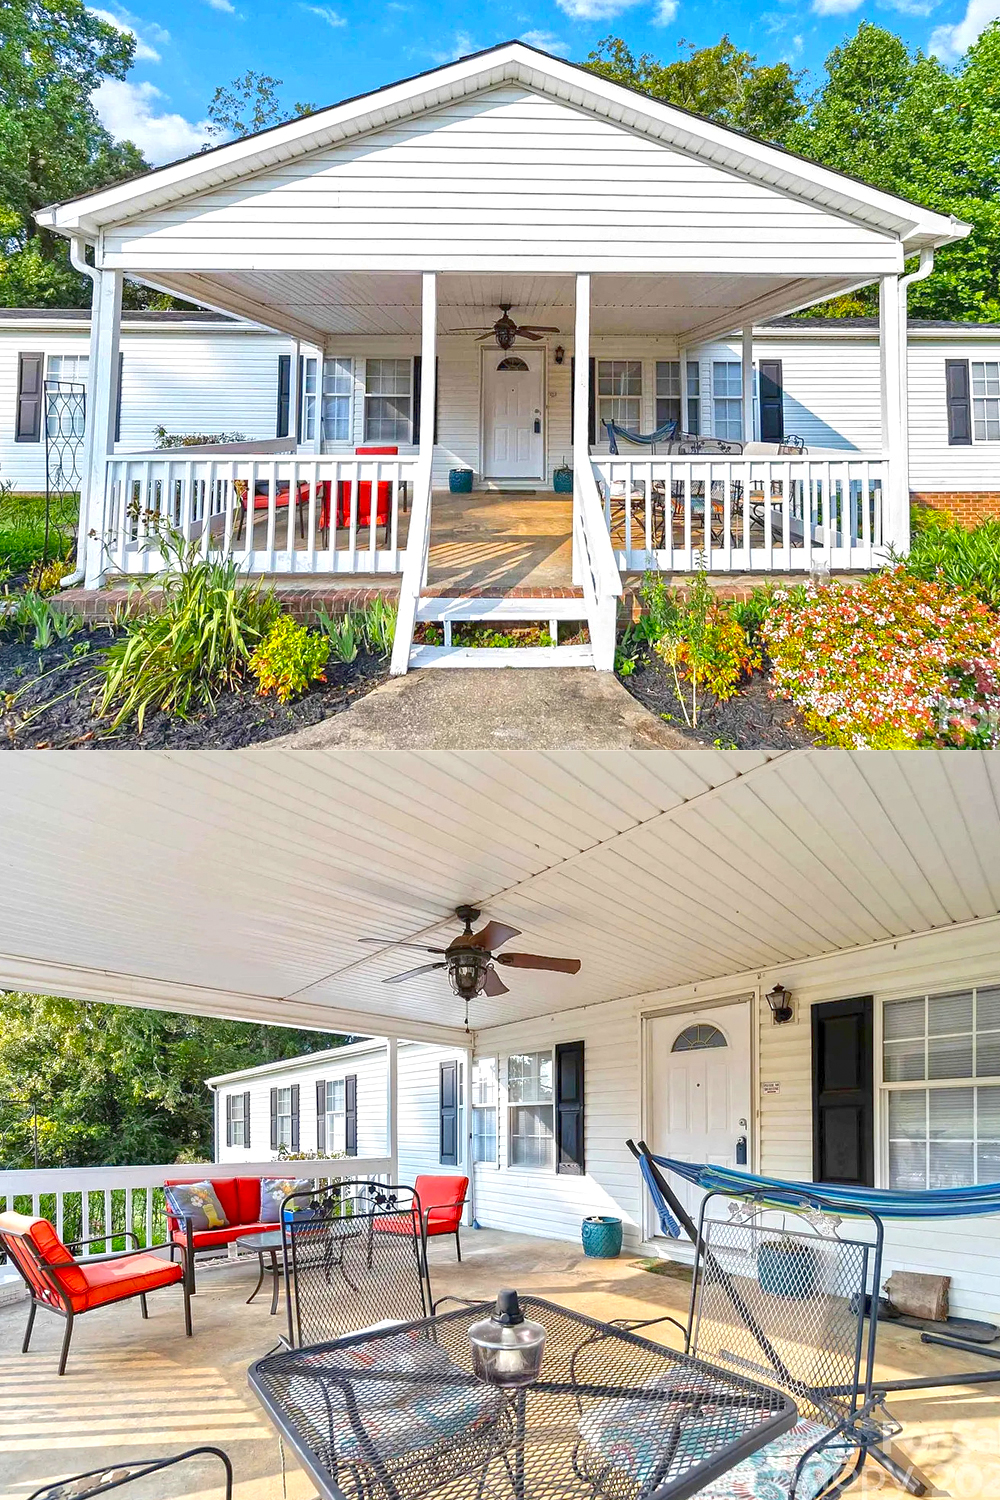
x=773 y=1193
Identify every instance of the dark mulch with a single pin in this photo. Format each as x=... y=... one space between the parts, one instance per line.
x=66 y=699
x=748 y=721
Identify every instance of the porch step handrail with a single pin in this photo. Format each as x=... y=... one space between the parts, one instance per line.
x=748 y=513
x=414 y=569
x=596 y=567
x=82 y=1201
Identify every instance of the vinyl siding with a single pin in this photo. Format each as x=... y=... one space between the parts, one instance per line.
x=934 y=465
x=832 y=390
x=419 y=1110
x=505 y=179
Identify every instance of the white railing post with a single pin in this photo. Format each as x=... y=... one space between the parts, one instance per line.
x=895 y=495
x=102 y=405
x=418 y=538
x=581 y=401
x=746 y=362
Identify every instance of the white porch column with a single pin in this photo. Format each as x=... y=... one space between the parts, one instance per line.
x=469 y=1217
x=102 y=405
x=581 y=393
x=428 y=362
x=896 y=485
x=682 y=367
x=747 y=366
x=392 y=1106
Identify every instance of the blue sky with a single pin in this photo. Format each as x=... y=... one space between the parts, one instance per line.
x=325 y=52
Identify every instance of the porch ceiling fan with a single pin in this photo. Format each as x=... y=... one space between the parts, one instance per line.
x=505 y=330
x=470 y=958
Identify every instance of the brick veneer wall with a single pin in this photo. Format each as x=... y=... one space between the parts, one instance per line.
x=967 y=506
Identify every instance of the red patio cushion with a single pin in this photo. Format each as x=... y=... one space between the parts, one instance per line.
x=204 y=1239
x=228 y=1195
x=248 y=1195
x=445 y=1196
x=48 y=1246
x=382 y=503
x=111 y=1280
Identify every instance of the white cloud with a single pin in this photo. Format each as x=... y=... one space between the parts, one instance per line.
x=949 y=42
x=462 y=44
x=666 y=11
x=128 y=110
x=144 y=52
x=834 y=7
x=547 y=41
x=594 y=10
x=325 y=13
x=223 y=5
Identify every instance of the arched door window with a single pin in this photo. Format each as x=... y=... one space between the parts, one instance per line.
x=512 y=363
x=699 y=1037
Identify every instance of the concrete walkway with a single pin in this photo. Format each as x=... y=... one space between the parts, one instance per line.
x=519 y=708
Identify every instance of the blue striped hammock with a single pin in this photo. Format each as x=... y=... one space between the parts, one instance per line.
x=887 y=1203
x=661 y=434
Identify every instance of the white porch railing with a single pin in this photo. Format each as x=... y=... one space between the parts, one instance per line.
x=274 y=514
x=414 y=570
x=107 y=1201
x=595 y=568
x=753 y=515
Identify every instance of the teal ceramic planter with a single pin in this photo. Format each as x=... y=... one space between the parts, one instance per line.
x=562 y=481
x=460 y=481
x=602 y=1237
x=787 y=1269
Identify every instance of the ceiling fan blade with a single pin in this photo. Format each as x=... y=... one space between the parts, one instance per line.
x=484 y=337
x=394 y=943
x=523 y=333
x=494 y=935
x=413 y=973
x=539 y=961
x=536 y=328
x=494 y=984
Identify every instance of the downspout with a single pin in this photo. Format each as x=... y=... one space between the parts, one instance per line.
x=78 y=260
x=922 y=272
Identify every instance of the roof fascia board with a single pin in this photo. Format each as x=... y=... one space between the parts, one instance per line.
x=511 y=63
x=303 y=1060
x=194 y=287
x=774 y=303
x=45 y=977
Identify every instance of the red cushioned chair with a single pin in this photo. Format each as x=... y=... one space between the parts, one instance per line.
x=68 y=1286
x=440 y=1200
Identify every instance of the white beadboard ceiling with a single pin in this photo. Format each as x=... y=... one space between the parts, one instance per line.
x=240 y=884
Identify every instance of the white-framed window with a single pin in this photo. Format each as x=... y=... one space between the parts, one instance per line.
x=668 y=394
x=727 y=398
x=619 y=393
x=985 y=400
x=336 y=1116
x=283 y=1117
x=67 y=367
x=236 y=1119
x=310 y=376
x=388 y=400
x=941 y=1087
x=484 y=1110
x=530 y=1108
x=338 y=396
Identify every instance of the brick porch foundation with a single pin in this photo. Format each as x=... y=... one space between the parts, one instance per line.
x=968 y=507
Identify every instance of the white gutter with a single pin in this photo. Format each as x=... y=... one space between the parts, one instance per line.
x=78 y=260
x=922 y=272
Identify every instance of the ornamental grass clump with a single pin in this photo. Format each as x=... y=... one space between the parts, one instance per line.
x=891 y=662
x=180 y=651
x=289 y=659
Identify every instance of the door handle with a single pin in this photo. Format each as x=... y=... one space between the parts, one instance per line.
x=741 y=1151
x=538 y=422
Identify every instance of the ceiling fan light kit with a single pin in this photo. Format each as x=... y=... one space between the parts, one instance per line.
x=505 y=331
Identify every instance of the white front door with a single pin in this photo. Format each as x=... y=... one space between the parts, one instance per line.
x=701 y=1090
x=513 y=415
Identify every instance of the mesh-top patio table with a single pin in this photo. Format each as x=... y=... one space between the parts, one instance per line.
x=396 y=1413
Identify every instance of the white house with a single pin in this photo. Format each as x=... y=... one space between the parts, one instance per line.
x=688 y=885
x=385 y=235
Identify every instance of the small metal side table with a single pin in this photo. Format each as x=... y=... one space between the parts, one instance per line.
x=267 y=1243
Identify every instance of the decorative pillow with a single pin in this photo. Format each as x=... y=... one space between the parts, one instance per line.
x=197 y=1201
x=273 y=1190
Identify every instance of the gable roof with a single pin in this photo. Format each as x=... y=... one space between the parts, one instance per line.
x=513 y=61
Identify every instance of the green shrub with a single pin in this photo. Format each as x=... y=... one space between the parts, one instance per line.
x=891 y=662
x=964 y=559
x=165 y=439
x=705 y=648
x=289 y=659
x=198 y=643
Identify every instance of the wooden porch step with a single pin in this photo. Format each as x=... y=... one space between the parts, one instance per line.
x=501 y=656
x=506 y=607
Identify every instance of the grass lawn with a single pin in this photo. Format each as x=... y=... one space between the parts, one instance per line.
x=22 y=529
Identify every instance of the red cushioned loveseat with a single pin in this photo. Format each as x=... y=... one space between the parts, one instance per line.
x=240 y=1200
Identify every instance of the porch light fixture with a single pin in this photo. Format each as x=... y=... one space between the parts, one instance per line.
x=467 y=972
x=559 y=354
x=779 y=1001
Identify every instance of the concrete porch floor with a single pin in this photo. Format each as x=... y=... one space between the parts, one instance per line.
x=137 y=1389
x=495 y=542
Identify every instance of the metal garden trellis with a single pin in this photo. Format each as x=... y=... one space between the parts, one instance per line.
x=65 y=422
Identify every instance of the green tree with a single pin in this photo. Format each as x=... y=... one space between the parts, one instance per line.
x=249 y=104
x=53 y=55
x=721 y=82
x=117 y=1086
x=907 y=124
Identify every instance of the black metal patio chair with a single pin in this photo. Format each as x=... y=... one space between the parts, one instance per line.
x=113 y=1476
x=355 y=1258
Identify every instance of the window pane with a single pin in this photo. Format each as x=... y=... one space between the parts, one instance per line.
x=729 y=419
x=907 y=1164
x=668 y=377
x=903 y=1018
x=387 y=419
x=619 y=377
x=336 y=1092
x=529 y=1077
x=951 y=1114
x=727 y=378
x=908 y=1115
x=949 y=1057
x=989 y=1113
x=904 y=1061
x=484 y=1081
x=951 y=1164
x=484 y=1135
x=948 y=1014
x=388 y=377
x=985 y=378
x=531 y=1142
x=988 y=1009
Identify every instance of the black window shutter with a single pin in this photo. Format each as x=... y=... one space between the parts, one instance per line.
x=229 y=1121
x=351 y=1114
x=274 y=1119
x=591 y=401
x=118 y=397
x=246 y=1118
x=956 y=379
x=295 y=1117
x=448 y=1109
x=570 y=1158
x=772 y=402
x=28 y=420
x=418 y=380
x=281 y=427
x=320 y=1114
x=843 y=1094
